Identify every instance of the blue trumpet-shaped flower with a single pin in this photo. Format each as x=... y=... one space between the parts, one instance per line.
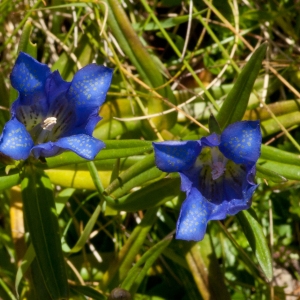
x=217 y=173
x=52 y=115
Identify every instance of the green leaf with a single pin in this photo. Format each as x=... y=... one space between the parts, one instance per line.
x=147 y=68
x=167 y=23
x=268 y=174
x=235 y=105
x=29 y=256
x=24 y=266
x=271 y=126
x=275 y=154
x=85 y=234
x=39 y=287
x=255 y=236
x=213 y=125
x=205 y=269
x=277 y=108
x=6 y=290
x=42 y=223
x=139 y=270
x=62 y=198
x=25 y=45
x=84 y=55
x=8 y=181
x=4 y=102
x=136 y=175
x=153 y=195
x=287 y=171
x=120 y=266
x=242 y=255
x=89 y=292
x=112 y=128
x=113 y=149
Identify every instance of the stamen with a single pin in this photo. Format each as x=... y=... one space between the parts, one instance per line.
x=49 y=123
x=217 y=169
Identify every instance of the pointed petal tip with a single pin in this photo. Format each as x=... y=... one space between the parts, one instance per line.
x=15 y=141
x=241 y=142
x=175 y=156
x=193 y=218
x=82 y=144
x=29 y=77
x=88 y=90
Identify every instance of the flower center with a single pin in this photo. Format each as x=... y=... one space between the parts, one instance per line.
x=49 y=123
x=217 y=169
x=217 y=163
x=46 y=125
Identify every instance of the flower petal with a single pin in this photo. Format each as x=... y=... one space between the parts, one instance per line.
x=174 y=156
x=212 y=140
x=232 y=207
x=29 y=115
x=211 y=190
x=83 y=145
x=88 y=90
x=28 y=77
x=241 y=142
x=236 y=205
x=55 y=87
x=15 y=141
x=87 y=128
x=193 y=217
x=46 y=150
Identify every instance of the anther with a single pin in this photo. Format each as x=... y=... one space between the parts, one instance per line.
x=49 y=123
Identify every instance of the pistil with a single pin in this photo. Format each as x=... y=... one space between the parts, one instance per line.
x=218 y=163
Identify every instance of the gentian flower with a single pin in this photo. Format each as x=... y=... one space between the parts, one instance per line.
x=51 y=115
x=217 y=173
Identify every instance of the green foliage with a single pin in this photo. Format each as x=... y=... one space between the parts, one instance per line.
x=91 y=227
x=38 y=205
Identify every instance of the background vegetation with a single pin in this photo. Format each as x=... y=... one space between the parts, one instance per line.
x=176 y=61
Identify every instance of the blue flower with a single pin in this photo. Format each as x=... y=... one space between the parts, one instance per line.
x=217 y=173
x=51 y=115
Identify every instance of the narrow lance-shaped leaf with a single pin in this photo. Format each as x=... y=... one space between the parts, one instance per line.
x=204 y=267
x=213 y=125
x=136 y=175
x=271 y=126
x=140 y=269
x=255 y=236
x=268 y=174
x=42 y=223
x=153 y=195
x=113 y=149
x=9 y=180
x=235 y=105
x=291 y=172
x=275 y=154
x=140 y=58
x=29 y=256
x=120 y=266
x=88 y=291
